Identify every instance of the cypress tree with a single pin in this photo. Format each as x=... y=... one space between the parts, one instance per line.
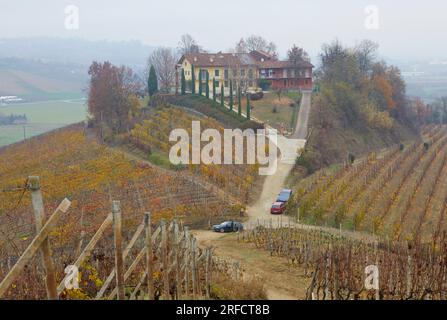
x=200 y=82
x=214 y=90
x=207 y=86
x=231 y=95
x=239 y=100
x=152 y=82
x=222 y=95
x=193 y=80
x=183 y=84
x=248 y=106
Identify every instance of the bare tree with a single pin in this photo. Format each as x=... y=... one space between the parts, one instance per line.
x=187 y=44
x=164 y=61
x=366 y=52
x=255 y=42
x=241 y=46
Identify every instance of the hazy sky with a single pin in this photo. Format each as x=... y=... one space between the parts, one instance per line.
x=406 y=28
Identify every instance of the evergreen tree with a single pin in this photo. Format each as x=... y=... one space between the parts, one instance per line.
x=193 y=80
x=183 y=84
x=231 y=95
x=207 y=86
x=222 y=95
x=248 y=106
x=152 y=82
x=239 y=100
x=200 y=82
x=214 y=90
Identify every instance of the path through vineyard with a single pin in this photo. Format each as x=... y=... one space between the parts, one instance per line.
x=282 y=282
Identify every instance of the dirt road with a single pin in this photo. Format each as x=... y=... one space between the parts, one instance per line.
x=282 y=282
x=303 y=116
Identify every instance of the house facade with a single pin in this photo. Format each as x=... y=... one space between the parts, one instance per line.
x=222 y=68
x=286 y=74
x=245 y=70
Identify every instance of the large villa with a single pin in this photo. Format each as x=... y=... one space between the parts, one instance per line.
x=251 y=71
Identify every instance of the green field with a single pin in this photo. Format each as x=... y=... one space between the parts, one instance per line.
x=283 y=114
x=42 y=117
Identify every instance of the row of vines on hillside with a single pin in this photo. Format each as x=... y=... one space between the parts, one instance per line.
x=400 y=194
x=337 y=266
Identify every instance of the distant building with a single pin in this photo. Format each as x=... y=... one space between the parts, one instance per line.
x=246 y=70
x=286 y=74
x=6 y=99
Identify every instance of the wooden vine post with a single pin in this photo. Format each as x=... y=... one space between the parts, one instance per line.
x=149 y=256
x=186 y=263
x=45 y=249
x=194 y=267
x=164 y=259
x=176 y=259
x=118 y=238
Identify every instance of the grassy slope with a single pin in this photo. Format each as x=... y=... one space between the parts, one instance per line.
x=213 y=110
x=332 y=142
x=33 y=86
x=279 y=113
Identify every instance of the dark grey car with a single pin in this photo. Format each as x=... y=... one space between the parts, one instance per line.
x=228 y=226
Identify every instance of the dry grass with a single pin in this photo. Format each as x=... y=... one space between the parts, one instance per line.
x=226 y=288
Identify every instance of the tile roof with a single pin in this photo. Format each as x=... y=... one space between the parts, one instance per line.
x=277 y=64
x=218 y=59
x=233 y=59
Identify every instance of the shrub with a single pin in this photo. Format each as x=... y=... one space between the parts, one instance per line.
x=264 y=84
x=351 y=158
x=226 y=288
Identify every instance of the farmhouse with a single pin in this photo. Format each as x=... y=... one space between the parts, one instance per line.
x=286 y=74
x=246 y=70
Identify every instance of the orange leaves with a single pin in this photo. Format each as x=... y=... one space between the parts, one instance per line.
x=383 y=86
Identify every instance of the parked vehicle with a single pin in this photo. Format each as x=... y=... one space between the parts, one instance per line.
x=228 y=226
x=284 y=195
x=278 y=208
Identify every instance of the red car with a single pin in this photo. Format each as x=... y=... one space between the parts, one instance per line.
x=278 y=208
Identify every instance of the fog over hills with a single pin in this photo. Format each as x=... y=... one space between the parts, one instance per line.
x=45 y=68
x=76 y=50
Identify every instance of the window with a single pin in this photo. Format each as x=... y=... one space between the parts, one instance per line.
x=250 y=83
x=226 y=73
x=250 y=73
x=226 y=84
x=270 y=73
x=234 y=73
x=216 y=72
x=216 y=84
x=203 y=74
x=242 y=72
x=289 y=73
